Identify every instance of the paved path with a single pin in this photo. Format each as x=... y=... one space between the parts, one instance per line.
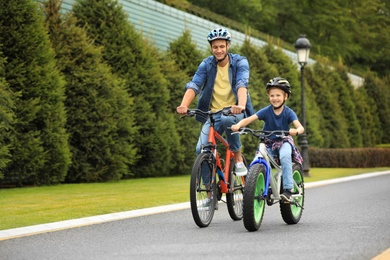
x=55 y=226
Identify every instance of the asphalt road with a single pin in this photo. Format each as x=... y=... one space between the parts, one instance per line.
x=348 y=220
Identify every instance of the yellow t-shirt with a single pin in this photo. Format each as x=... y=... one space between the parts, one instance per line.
x=223 y=95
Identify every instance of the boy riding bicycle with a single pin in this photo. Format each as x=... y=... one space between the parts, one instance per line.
x=278 y=116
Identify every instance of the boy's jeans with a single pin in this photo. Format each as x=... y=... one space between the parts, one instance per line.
x=286 y=162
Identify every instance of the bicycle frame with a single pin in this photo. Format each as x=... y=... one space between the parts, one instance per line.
x=273 y=179
x=204 y=197
x=264 y=158
x=263 y=185
x=212 y=145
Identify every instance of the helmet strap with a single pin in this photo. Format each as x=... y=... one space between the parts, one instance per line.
x=276 y=108
x=218 y=61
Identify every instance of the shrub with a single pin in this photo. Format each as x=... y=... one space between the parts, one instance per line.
x=349 y=158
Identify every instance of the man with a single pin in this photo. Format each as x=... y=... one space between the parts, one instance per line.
x=222 y=81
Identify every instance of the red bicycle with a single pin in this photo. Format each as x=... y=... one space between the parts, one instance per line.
x=213 y=176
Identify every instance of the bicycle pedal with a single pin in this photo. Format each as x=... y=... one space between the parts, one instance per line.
x=296 y=203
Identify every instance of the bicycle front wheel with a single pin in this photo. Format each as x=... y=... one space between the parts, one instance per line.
x=234 y=199
x=254 y=202
x=203 y=190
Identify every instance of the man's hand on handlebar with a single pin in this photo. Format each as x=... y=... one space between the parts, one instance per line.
x=182 y=110
x=237 y=109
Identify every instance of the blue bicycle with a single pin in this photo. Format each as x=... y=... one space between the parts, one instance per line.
x=264 y=182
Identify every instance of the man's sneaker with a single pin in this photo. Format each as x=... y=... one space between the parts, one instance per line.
x=287 y=194
x=240 y=169
x=205 y=205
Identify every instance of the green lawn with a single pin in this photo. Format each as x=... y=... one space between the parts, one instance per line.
x=37 y=205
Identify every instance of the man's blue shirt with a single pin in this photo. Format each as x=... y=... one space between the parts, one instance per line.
x=203 y=81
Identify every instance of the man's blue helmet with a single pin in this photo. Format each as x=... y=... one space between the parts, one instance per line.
x=218 y=34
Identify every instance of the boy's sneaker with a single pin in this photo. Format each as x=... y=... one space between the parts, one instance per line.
x=240 y=169
x=287 y=194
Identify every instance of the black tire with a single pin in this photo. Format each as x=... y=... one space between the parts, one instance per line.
x=254 y=202
x=292 y=212
x=199 y=190
x=235 y=196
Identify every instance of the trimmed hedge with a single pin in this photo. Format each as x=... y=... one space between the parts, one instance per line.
x=349 y=157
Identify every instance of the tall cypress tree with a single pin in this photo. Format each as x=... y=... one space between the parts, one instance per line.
x=136 y=61
x=368 y=118
x=348 y=104
x=100 y=114
x=179 y=65
x=7 y=116
x=379 y=92
x=40 y=152
x=261 y=71
x=334 y=129
x=314 y=118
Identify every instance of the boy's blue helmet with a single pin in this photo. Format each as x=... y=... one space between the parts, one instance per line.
x=218 y=34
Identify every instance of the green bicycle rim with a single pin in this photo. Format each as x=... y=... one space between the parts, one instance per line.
x=295 y=210
x=259 y=204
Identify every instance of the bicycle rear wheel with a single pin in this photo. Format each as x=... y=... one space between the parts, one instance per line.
x=292 y=212
x=254 y=202
x=203 y=190
x=234 y=198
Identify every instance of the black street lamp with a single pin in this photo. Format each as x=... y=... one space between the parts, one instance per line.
x=302 y=46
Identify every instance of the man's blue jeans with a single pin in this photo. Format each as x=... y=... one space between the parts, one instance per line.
x=221 y=124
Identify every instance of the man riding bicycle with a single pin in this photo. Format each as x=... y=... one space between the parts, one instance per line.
x=222 y=81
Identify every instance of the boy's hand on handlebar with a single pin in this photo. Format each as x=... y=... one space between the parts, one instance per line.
x=182 y=110
x=293 y=132
x=237 y=109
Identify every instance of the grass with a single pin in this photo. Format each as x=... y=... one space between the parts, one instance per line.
x=38 y=205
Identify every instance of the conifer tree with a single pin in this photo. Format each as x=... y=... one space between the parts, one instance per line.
x=179 y=64
x=40 y=153
x=368 y=118
x=334 y=128
x=314 y=118
x=261 y=71
x=348 y=104
x=134 y=59
x=99 y=109
x=7 y=117
x=379 y=92
x=185 y=54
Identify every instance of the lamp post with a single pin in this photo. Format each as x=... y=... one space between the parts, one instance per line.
x=302 y=46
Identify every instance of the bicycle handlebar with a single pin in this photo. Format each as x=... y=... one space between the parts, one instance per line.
x=206 y=114
x=261 y=133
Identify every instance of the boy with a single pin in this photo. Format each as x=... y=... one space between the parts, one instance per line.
x=278 y=116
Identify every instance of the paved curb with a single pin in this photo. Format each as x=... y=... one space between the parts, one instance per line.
x=61 y=225
x=55 y=226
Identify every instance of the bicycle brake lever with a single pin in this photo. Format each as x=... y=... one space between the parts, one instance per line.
x=227 y=111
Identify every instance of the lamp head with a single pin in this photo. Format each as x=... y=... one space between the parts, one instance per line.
x=302 y=45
